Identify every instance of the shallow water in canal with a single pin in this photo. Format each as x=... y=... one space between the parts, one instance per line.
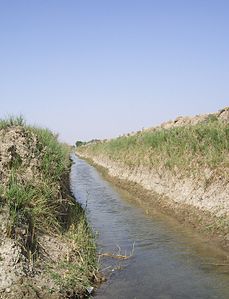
x=168 y=261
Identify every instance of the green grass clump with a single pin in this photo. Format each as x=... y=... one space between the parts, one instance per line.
x=35 y=192
x=186 y=149
x=68 y=273
x=12 y=121
x=55 y=158
x=39 y=203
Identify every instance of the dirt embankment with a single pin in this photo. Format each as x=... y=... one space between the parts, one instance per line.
x=43 y=232
x=200 y=197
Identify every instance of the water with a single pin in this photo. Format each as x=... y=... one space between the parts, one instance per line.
x=169 y=262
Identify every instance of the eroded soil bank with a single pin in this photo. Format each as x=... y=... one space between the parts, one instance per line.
x=194 y=187
x=47 y=249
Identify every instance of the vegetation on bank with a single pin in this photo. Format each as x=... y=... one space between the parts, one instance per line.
x=34 y=169
x=185 y=150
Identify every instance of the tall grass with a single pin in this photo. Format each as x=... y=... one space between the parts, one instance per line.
x=78 y=273
x=187 y=149
x=39 y=204
x=55 y=160
x=44 y=206
x=12 y=121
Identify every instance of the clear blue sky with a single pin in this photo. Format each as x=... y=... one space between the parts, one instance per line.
x=98 y=68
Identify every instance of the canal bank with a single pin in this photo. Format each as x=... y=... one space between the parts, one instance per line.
x=47 y=249
x=169 y=261
x=180 y=167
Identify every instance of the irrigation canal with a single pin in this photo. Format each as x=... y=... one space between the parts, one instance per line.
x=168 y=262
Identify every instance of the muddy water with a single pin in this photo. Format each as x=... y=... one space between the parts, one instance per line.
x=168 y=262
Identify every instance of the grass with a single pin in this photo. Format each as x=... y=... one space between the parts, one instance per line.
x=41 y=204
x=186 y=149
x=55 y=158
x=69 y=273
x=12 y=121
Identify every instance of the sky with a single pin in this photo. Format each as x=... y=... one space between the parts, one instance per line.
x=97 y=68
